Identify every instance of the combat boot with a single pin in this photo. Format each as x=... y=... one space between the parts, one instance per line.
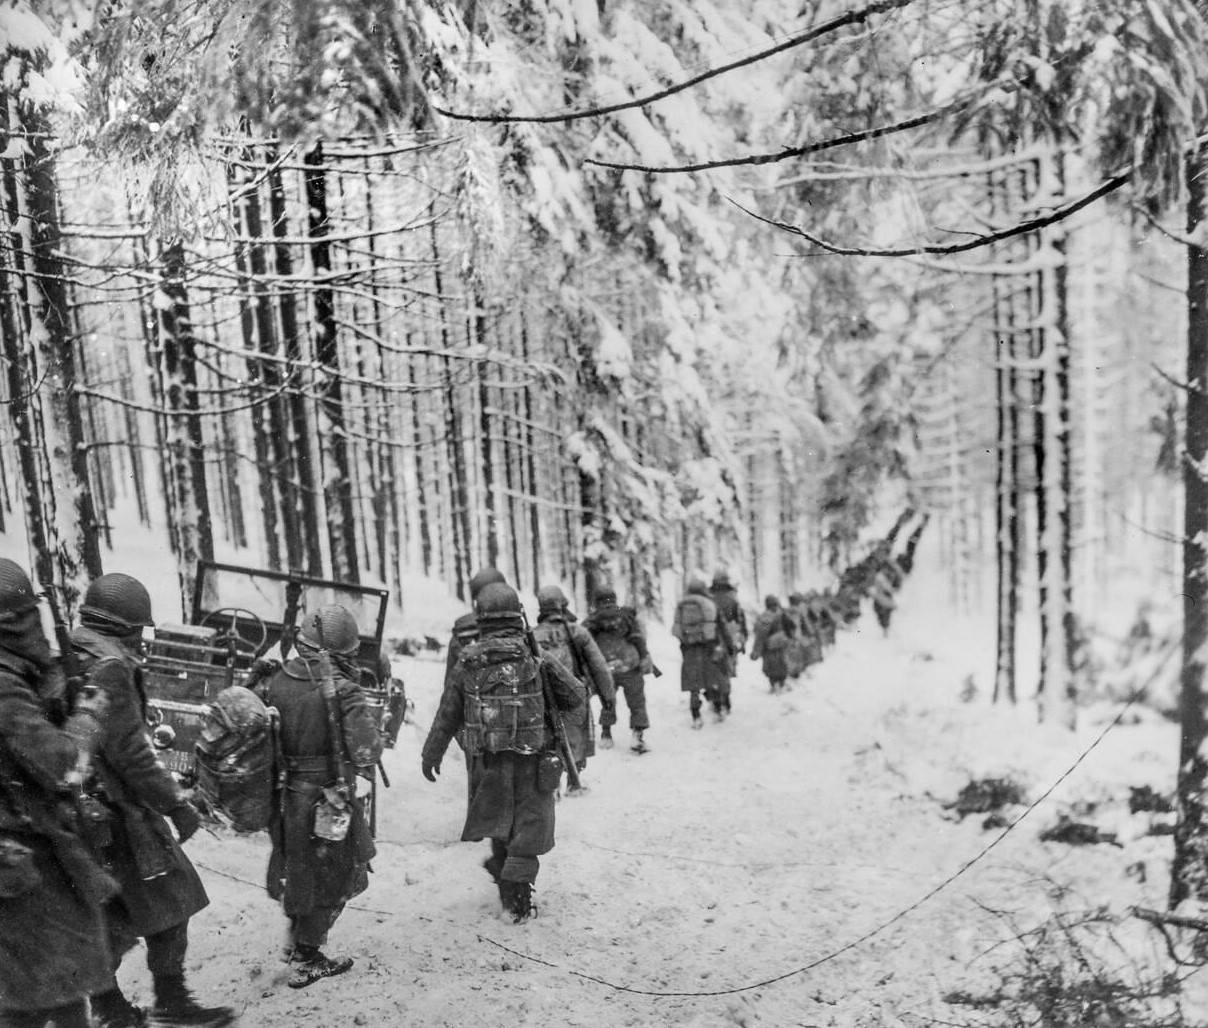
x=112 y=1010
x=606 y=738
x=175 y=1005
x=639 y=743
x=310 y=964
x=519 y=901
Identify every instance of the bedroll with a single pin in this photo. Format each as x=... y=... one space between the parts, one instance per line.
x=236 y=758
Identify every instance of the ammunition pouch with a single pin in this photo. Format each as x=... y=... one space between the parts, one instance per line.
x=549 y=771
x=18 y=875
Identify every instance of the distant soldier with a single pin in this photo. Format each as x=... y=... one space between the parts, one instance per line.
x=321 y=842
x=734 y=630
x=697 y=626
x=396 y=700
x=160 y=889
x=505 y=696
x=54 y=948
x=774 y=633
x=619 y=634
x=821 y=608
x=573 y=647
x=883 y=602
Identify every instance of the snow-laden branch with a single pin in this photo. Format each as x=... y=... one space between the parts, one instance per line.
x=752 y=160
x=835 y=24
x=1059 y=213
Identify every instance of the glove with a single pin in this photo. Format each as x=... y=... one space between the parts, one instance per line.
x=431 y=769
x=647 y=665
x=186 y=819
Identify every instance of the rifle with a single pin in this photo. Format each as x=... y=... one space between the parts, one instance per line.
x=64 y=682
x=555 y=715
x=337 y=809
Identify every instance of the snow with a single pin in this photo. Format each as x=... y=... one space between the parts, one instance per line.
x=793 y=865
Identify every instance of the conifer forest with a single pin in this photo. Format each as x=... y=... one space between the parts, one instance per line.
x=619 y=291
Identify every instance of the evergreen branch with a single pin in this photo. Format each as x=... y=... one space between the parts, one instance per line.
x=1059 y=213
x=843 y=21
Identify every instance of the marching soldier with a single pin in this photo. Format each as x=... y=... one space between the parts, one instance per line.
x=574 y=648
x=160 y=889
x=733 y=622
x=321 y=842
x=621 y=639
x=507 y=700
x=54 y=950
x=697 y=626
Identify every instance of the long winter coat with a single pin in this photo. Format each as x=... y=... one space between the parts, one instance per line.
x=557 y=636
x=505 y=803
x=774 y=632
x=305 y=872
x=160 y=887
x=733 y=620
x=54 y=949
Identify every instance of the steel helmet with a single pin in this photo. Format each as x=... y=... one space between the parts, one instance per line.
x=498 y=603
x=550 y=599
x=606 y=597
x=16 y=591
x=333 y=628
x=120 y=600
x=484 y=577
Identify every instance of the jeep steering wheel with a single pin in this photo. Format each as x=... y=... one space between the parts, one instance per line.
x=232 y=635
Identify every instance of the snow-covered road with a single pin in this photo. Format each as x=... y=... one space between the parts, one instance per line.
x=739 y=875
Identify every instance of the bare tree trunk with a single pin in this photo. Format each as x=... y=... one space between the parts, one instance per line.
x=300 y=437
x=1006 y=490
x=36 y=213
x=189 y=509
x=1189 y=871
x=333 y=437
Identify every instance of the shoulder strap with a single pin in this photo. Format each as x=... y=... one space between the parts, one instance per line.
x=576 y=656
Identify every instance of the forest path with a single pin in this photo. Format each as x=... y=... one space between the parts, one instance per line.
x=721 y=859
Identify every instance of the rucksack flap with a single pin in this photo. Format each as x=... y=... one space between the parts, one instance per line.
x=236 y=770
x=554 y=640
x=698 y=621
x=504 y=705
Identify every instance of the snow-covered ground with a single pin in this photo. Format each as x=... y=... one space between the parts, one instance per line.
x=778 y=869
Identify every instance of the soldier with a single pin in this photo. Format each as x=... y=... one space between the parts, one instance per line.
x=774 y=632
x=465 y=628
x=500 y=693
x=320 y=836
x=573 y=647
x=160 y=889
x=54 y=950
x=396 y=700
x=465 y=631
x=697 y=626
x=619 y=634
x=734 y=630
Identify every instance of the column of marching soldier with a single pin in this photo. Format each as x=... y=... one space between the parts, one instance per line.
x=92 y=824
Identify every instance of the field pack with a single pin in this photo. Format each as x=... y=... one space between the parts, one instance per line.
x=504 y=701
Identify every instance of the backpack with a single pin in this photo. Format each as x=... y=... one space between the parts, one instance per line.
x=237 y=758
x=554 y=639
x=612 y=631
x=697 y=621
x=504 y=703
